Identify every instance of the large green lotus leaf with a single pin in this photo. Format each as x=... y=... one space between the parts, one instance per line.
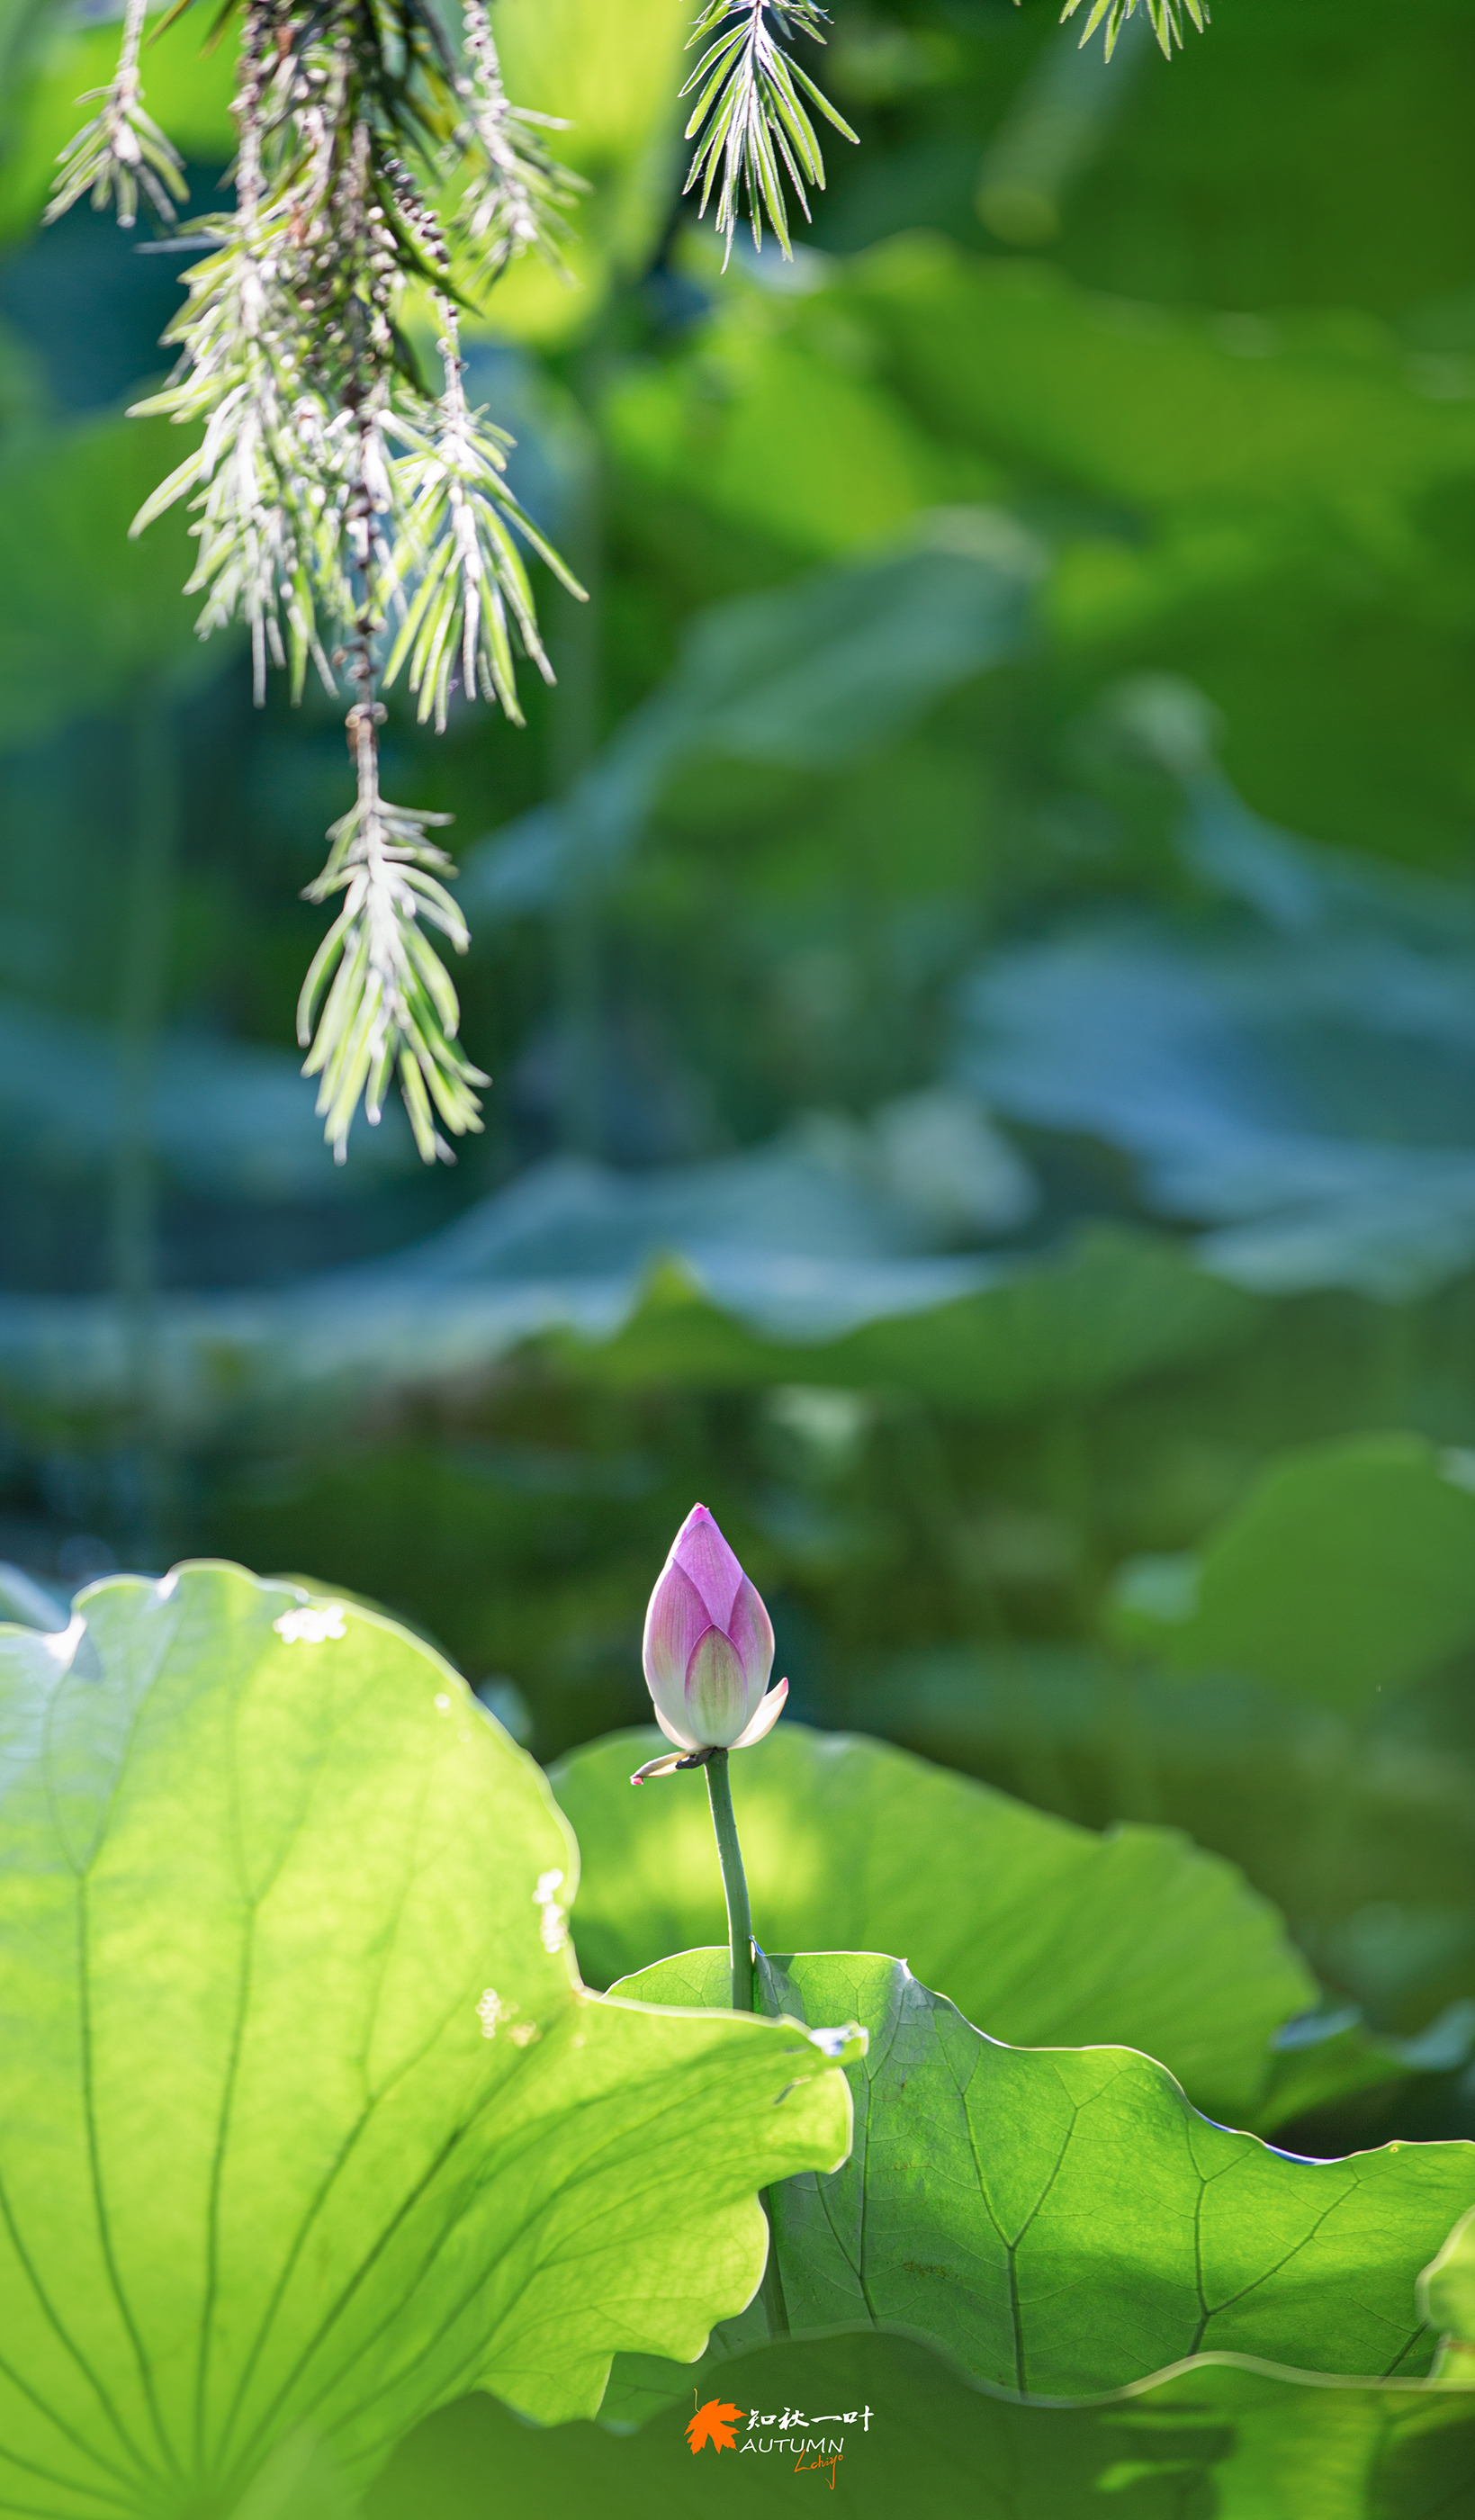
x=1263 y=128
x=1112 y=1303
x=1242 y=2440
x=1062 y=2221
x=1347 y=1570
x=300 y=2480
x=1044 y=1934
x=1447 y=2301
x=1014 y=354
x=307 y=2123
x=821 y=674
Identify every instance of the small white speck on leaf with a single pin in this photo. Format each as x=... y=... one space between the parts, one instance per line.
x=833 y=2043
x=311 y=1625
x=61 y=1643
x=553 y=1933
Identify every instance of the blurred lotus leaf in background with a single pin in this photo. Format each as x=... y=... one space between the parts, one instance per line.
x=1347 y=1571
x=1268 y=2444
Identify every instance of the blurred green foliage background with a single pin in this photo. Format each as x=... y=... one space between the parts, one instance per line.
x=977 y=955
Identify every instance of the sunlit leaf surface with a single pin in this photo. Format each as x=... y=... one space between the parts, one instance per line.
x=308 y=2121
x=1042 y=1934
x=1063 y=2221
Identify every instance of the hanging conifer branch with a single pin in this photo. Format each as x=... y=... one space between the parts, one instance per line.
x=121 y=150
x=523 y=200
x=353 y=519
x=391 y=1011
x=749 y=118
x=329 y=491
x=1166 y=16
x=339 y=508
x=468 y=599
x=259 y=481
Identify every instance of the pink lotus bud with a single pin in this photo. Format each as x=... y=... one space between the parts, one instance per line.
x=708 y=1650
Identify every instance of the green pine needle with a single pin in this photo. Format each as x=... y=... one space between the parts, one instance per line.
x=377 y=1001
x=1166 y=16
x=749 y=121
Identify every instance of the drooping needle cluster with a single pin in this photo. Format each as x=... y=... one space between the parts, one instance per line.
x=1165 y=18
x=353 y=517
x=749 y=121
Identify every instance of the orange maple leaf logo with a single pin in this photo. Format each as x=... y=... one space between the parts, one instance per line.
x=713 y=2424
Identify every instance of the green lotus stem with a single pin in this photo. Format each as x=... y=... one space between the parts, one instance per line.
x=733 y=1880
x=741 y=1945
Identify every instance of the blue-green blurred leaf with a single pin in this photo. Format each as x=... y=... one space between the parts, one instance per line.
x=1346 y=1572
x=1299 y=1072
x=811 y=677
x=232 y=1118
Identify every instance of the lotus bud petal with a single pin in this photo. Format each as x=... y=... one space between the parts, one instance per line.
x=769 y=1712
x=716 y=1690
x=708 y=1647
x=661 y=1767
